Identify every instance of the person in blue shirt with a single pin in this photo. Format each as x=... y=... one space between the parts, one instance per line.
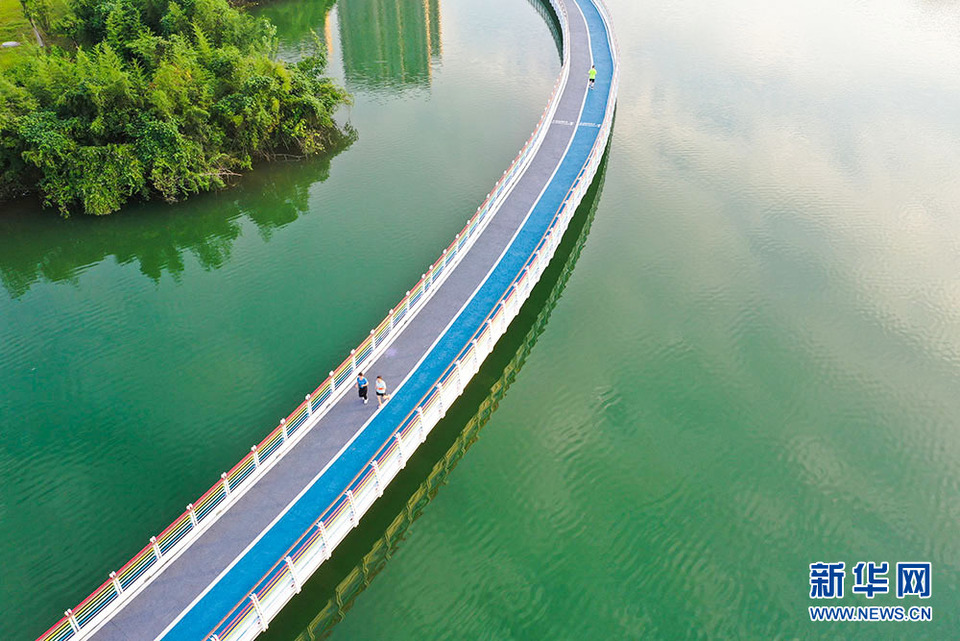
x=362 y=387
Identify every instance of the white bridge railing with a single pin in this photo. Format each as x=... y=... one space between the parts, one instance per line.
x=251 y=616
x=285 y=579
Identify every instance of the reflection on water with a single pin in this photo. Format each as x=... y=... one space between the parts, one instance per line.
x=154 y=235
x=331 y=592
x=296 y=20
x=373 y=54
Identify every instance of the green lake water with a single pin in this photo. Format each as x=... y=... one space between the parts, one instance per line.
x=747 y=361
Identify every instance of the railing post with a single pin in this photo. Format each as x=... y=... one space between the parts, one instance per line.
x=456 y=370
x=443 y=410
x=116 y=583
x=333 y=385
x=476 y=357
x=373 y=340
x=73 y=620
x=283 y=428
x=293 y=573
x=226 y=484
x=260 y=617
x=353 y=509
x=403 y=459
x=256 y=456
x=353 y=359
x=323 y=539
x=156 y=548
x=423 y=431
x=391 y=320
x=376 y=477
x=309 y=405
x=484 y=330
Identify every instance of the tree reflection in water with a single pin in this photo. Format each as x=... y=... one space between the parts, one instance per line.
x=41 y=246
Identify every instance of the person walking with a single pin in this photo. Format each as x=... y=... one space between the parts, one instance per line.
x=362 y=387
x=381 y=392
x=592 y=75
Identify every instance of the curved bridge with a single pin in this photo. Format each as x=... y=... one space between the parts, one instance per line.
x=224 y=568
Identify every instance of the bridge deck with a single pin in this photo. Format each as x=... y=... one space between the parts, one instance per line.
x=192 y=594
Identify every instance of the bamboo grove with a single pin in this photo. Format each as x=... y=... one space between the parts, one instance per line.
x=141 y=99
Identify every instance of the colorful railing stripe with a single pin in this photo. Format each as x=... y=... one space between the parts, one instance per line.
x=95 y=603
x=61 y=631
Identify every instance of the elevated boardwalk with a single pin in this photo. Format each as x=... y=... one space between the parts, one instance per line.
x=229 y=563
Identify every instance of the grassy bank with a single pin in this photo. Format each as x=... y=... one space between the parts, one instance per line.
x=15 y=27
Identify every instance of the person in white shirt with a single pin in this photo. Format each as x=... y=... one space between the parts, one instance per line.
x=381 y=392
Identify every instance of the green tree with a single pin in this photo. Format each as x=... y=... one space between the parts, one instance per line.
x=161 y=98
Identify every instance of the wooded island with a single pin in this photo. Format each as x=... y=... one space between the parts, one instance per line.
x=139 y=99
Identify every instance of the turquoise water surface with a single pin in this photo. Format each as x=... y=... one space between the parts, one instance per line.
x=752 y=367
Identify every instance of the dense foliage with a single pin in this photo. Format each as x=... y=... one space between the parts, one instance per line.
x=158 y=98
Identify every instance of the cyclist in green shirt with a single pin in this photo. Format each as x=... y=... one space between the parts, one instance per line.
x=593 y=75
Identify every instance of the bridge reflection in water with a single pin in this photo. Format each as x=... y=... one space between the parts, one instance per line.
x=332 y=590
x=388 y=43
